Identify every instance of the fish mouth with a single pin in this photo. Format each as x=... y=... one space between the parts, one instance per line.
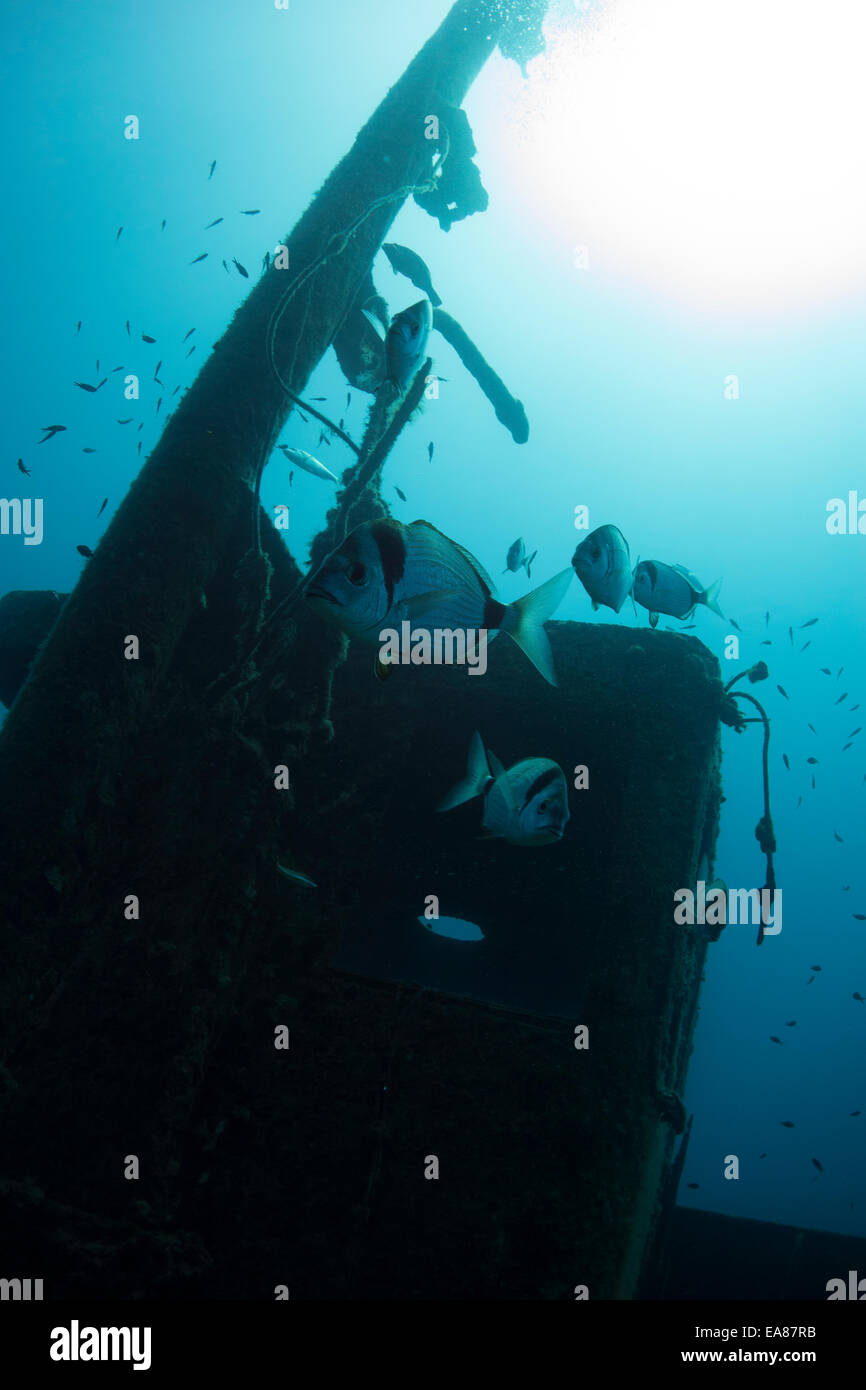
x=316 y=592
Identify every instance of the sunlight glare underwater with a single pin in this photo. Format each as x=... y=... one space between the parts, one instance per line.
x=712 y=151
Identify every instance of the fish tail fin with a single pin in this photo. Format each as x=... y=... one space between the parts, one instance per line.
x=524 y=621
x=434 y=299
x=529 y=562
x=710 y=598
x=476 y=779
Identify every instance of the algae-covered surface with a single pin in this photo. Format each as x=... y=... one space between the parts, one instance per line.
x=305 y=1165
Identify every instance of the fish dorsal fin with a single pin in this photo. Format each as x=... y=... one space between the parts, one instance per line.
x=691 y=579
x=502 y=782
x=297 y=876
x=495 y=765
x=374 y=323
x=477 y=568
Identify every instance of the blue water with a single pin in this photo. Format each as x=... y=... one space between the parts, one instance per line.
x=623 y=385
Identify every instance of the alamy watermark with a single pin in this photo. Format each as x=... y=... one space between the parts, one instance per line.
x=20 y=1290
x=721 y=906
x=22 y=516
x=438 y=646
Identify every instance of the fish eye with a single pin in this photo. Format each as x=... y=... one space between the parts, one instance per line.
x=542 y=808
x=356 y=573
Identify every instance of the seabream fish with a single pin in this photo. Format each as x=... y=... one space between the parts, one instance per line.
x=525 y=805
x=672 y=590
x=601 y=563
x=518 y=559
x=405 y=341
x=386 y=572
x=409 y=263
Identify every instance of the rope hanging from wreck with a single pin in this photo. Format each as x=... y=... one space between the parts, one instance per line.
x=341 y=238
x=367 y=469
x=764 y=832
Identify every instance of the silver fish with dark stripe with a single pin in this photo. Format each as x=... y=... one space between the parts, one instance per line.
x=527 y=805
x=405 y=341
x=386 y=572
x=671 y=589
x=602 y=564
